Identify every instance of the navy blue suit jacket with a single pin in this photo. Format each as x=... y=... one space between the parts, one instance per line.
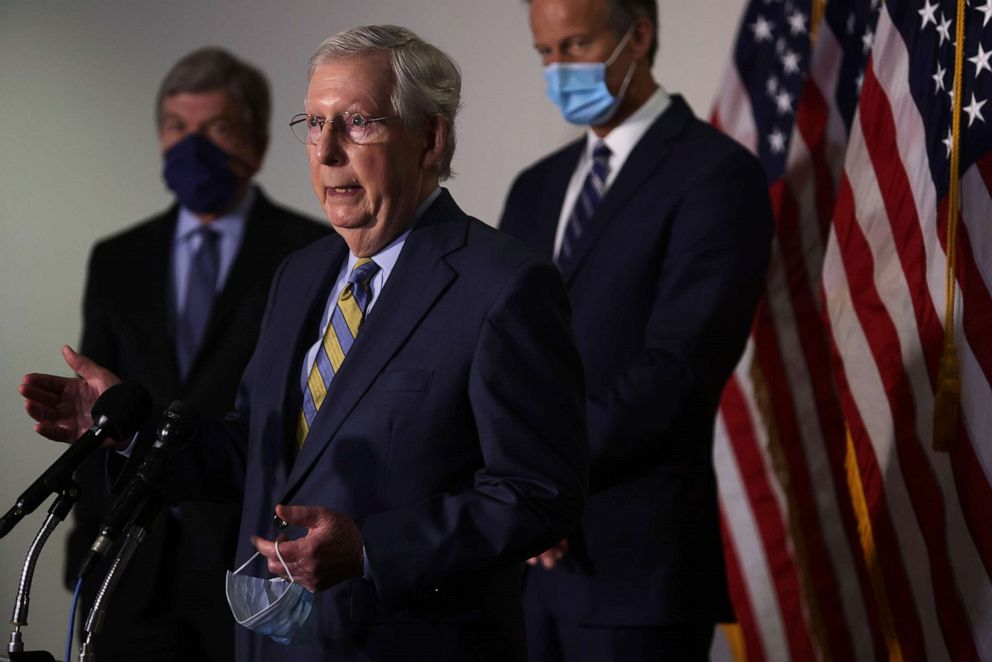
x=663 y=283
x=453 y=434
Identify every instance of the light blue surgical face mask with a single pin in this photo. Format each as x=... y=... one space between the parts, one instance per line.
x=273 y=607
x=579 y=88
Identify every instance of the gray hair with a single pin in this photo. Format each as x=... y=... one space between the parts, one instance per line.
x=209 y=69
x=427 y=80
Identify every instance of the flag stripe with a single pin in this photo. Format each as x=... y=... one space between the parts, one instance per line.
x=753 y=648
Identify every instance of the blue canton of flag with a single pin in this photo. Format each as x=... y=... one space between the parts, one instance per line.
x=929 y=31
x=772 y=55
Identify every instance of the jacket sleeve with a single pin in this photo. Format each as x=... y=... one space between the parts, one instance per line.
x=526 y=395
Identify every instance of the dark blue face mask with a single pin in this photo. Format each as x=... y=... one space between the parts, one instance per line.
x=199 y=173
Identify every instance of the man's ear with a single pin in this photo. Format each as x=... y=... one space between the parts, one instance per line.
x=436 y=134
x=640 y=38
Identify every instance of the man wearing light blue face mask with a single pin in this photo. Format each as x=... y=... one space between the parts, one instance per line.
x=661 y=228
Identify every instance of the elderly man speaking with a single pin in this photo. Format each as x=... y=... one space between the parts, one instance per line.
x=413 y=408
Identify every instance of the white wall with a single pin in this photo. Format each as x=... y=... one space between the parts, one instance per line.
x=79 y=157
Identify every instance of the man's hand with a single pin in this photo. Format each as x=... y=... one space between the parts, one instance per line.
x=549 y=558
x=61 y=405
x=329 y=553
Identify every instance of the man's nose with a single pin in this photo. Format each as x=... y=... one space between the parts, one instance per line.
x=329 y=147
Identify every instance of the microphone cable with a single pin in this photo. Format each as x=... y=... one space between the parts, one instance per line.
x=72 y=620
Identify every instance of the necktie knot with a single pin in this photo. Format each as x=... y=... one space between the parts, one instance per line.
x=358 y=282
x=601 y=155
x=363 y=271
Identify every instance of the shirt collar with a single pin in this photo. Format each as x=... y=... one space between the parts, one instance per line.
x=230 y=224
x=622 y=139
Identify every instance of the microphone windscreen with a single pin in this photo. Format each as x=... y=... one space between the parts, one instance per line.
x=126 y=407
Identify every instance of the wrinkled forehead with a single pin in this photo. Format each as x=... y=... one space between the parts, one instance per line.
x=362 y=82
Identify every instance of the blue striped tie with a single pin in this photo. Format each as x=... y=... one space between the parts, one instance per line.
x=588 y=200
x=201 y=282
x=342 y=329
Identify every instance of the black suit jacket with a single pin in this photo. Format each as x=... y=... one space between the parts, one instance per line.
x=663 y=282
x=453 y=434
x=128 y=327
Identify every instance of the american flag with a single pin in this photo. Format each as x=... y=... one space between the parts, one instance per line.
x=847 y=535
x=799 y=581
x=886 y=289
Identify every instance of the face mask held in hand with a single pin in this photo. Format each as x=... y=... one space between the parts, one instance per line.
x=200 y=174
x=273 y=607
x=579 y=88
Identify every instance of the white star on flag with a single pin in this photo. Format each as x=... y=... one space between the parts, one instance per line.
x=797 y=23
x=987 y=10
x=783 y=101
x=790 y=62
x=981 y=60
x=944 y=29
x=948 y=141
x=762 y=29
x=927 y=13
x=938 y=79
x=974 y=109
x=866 y=40
x=776 y=141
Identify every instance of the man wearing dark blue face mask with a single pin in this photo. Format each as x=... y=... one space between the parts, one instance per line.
x=175 y=303
x=661 y=228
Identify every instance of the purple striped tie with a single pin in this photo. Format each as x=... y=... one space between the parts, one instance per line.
x=200 y=288
x=585 y=205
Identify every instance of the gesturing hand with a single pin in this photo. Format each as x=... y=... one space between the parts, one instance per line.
x=550 y=557
x=329 y=553
x=61 y=405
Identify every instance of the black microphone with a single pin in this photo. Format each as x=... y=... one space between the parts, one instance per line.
x=177 y=426
x=118 y=413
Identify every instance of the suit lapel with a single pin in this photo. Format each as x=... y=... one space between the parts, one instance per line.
x=420 y=277
x=649 y=155
x=151 y=307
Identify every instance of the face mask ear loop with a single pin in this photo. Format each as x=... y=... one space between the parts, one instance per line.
x=285 y=567
x=245 y=564
x=620 y=46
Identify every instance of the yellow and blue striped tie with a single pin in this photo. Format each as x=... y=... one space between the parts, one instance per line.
x=341 y=333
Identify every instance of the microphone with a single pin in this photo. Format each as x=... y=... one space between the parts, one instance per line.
x=118 y=413
x=177 y=425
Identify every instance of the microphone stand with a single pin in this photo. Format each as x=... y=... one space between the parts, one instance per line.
x=58 y=511
x=136 y=534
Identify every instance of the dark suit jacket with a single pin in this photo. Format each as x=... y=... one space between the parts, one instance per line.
x=663 y=283
x=453 y=434
x=128 y=327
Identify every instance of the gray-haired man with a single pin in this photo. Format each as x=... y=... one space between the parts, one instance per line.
x=413 y=409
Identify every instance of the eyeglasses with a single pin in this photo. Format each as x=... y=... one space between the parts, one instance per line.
x=353 y=127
